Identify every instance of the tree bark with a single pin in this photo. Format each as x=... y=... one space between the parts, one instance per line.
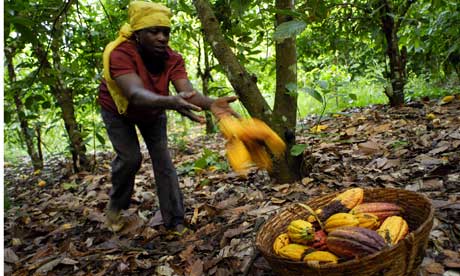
x=26 y=131
x=205 y=76
x=244 y=84
x=285 y=108
x=390 y=28
x=63 y=94
x=284 y=121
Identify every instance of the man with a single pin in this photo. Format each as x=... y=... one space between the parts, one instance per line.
x=138 y=68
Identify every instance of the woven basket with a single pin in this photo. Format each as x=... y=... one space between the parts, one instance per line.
x=402 y=259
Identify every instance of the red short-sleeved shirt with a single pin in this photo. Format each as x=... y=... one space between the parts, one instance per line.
x=125 y=59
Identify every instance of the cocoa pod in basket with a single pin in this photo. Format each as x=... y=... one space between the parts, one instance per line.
x=321 y=257
x=300 y=231
x=340 y=220
x=342 y=203
x=295 y=252
x=369 y=221
x=319 y=240
x=280 y=241
x=393 y=229
x=381 y=209
x=351 y=241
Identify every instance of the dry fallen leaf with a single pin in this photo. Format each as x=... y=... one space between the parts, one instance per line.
x=369 y=147
x=435 y=268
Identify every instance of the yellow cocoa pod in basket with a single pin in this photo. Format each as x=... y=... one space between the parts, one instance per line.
x=280 y=241
x=294 y=251
x=393 y=229
x=300 y=231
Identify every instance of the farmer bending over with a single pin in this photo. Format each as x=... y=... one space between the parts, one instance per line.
x=138 y=68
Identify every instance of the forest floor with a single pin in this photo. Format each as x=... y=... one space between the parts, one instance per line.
x=55 y=225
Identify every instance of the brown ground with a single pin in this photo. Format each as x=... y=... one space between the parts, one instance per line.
x=59 y=229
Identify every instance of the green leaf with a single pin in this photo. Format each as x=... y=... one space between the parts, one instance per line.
x=69 y=185
x=298 y=149
x=201 y=163
x=100 y=138
x=288 y=30
x=353 y=96
x=315 y=94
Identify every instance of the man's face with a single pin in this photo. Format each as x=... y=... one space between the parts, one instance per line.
x=154 y=40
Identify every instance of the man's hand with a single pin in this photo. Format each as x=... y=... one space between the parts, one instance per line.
x=221 y=108
x=185 y=108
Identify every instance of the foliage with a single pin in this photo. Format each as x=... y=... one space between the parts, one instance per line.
x=340 y=57
x=208 y=161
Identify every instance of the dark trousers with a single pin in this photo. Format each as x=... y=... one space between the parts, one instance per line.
x=122 y=134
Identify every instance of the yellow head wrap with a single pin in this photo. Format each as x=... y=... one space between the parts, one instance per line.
x=141 y=15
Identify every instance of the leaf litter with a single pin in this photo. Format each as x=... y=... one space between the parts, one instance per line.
x=55 y=225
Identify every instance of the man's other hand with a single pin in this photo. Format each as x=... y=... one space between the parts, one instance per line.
x=185 y=108
x=221 y=107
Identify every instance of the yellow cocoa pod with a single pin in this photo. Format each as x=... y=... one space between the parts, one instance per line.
x=393 y=229
x=300 y=231
x=342 y=203
x=259 y=155
x=369 y=221
x=351 y=197
x=321 y=257
x=293 y=251
x=238 y=156
x=281 y=241
x=257 y=130
x=231 y=127
x=340 y=220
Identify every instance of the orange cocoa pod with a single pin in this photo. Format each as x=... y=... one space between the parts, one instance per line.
x=238 y=156
x=393 y=229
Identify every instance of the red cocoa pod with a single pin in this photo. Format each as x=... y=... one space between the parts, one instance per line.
x=380 y=209
x=351 y=242
x=319 y=240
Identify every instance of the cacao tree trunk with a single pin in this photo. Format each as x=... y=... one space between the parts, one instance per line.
x=205 y=76
x=63 y=94
x=244 y=84
x=26 y=131
x=249 y=94
x=397 y=58
x=285 y=109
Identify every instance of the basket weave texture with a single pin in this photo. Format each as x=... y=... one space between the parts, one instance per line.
x=403 y=258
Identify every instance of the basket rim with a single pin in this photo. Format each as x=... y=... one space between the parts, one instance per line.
x=355 y=260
